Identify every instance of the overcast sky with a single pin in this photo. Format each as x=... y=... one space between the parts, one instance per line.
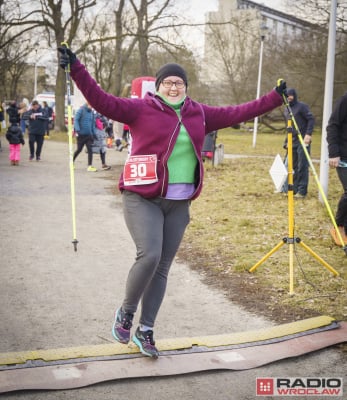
x=197 y=9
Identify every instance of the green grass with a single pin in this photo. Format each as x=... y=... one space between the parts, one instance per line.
x=59 y=136
x=238 y=219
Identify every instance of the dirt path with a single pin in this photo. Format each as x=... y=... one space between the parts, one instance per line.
x=53 y=297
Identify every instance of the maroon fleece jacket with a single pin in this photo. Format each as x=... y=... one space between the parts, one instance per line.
x=154 y=126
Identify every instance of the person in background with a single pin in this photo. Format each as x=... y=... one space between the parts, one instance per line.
x=2 y=117
x=22 y=109
x=110 y=135
x=162 y=175
x=125 y=136
x=117 y=135
x=12 y=109
x=15 y=138
x=305 y=122
x=49 y=112
x=99 y=143
x=337 y=148
x=84 y=126
x=37 y=118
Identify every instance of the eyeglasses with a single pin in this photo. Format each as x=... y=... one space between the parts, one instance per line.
x=169 y=84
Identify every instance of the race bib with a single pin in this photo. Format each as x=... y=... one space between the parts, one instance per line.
x=140 y=170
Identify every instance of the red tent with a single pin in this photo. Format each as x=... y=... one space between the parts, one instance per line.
x=140 y=86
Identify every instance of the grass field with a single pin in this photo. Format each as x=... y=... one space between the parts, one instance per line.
x=238 y=219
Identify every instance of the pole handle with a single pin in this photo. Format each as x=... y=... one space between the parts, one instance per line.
x=65 y=46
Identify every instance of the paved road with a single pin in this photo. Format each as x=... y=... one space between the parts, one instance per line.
x=53 y=297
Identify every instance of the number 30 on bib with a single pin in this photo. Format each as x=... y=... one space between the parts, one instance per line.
x=140 y=170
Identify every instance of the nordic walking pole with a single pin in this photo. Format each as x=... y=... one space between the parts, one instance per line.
x=72 y=172
x=320 y=188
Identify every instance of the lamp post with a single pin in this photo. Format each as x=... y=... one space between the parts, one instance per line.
x=328 y=99
x=263 y=29
x=35 y=69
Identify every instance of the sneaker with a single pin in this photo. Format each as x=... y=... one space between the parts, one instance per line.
x=120 y=147
x=38 y=159
x=91 y=169
x=31 y=158
x=121 y=327
x=144 y=341
x=106 y=167
x=299 y=196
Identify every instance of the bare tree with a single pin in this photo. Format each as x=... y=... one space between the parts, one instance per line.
x=61 y=26
x=14 y=47
x=234 y=60
x=146 y=26
x=319 y=12
x=116 y=42
x=126 y=39
x=300 y=58
x=51 y=17
x=111 y=47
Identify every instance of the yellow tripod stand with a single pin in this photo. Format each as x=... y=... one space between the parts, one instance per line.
x=291 y=240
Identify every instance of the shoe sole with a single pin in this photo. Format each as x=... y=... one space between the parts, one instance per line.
x=143 y=351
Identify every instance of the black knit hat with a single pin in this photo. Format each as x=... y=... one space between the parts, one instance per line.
x=170 y=69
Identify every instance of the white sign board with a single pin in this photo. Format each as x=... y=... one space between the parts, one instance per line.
x=278 y=172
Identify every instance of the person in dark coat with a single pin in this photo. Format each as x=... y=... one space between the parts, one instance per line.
x=2 y=117
x=37 y=118
x=305 y=122
x=49 y=110
x=337 y=148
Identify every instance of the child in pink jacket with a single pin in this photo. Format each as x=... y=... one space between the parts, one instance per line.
x=15 y=138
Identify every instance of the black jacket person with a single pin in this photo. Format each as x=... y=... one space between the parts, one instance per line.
x=305 y=121
x=37 y=118
x=337 y=147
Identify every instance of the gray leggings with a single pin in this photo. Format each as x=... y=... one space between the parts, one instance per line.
x=157 y=227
